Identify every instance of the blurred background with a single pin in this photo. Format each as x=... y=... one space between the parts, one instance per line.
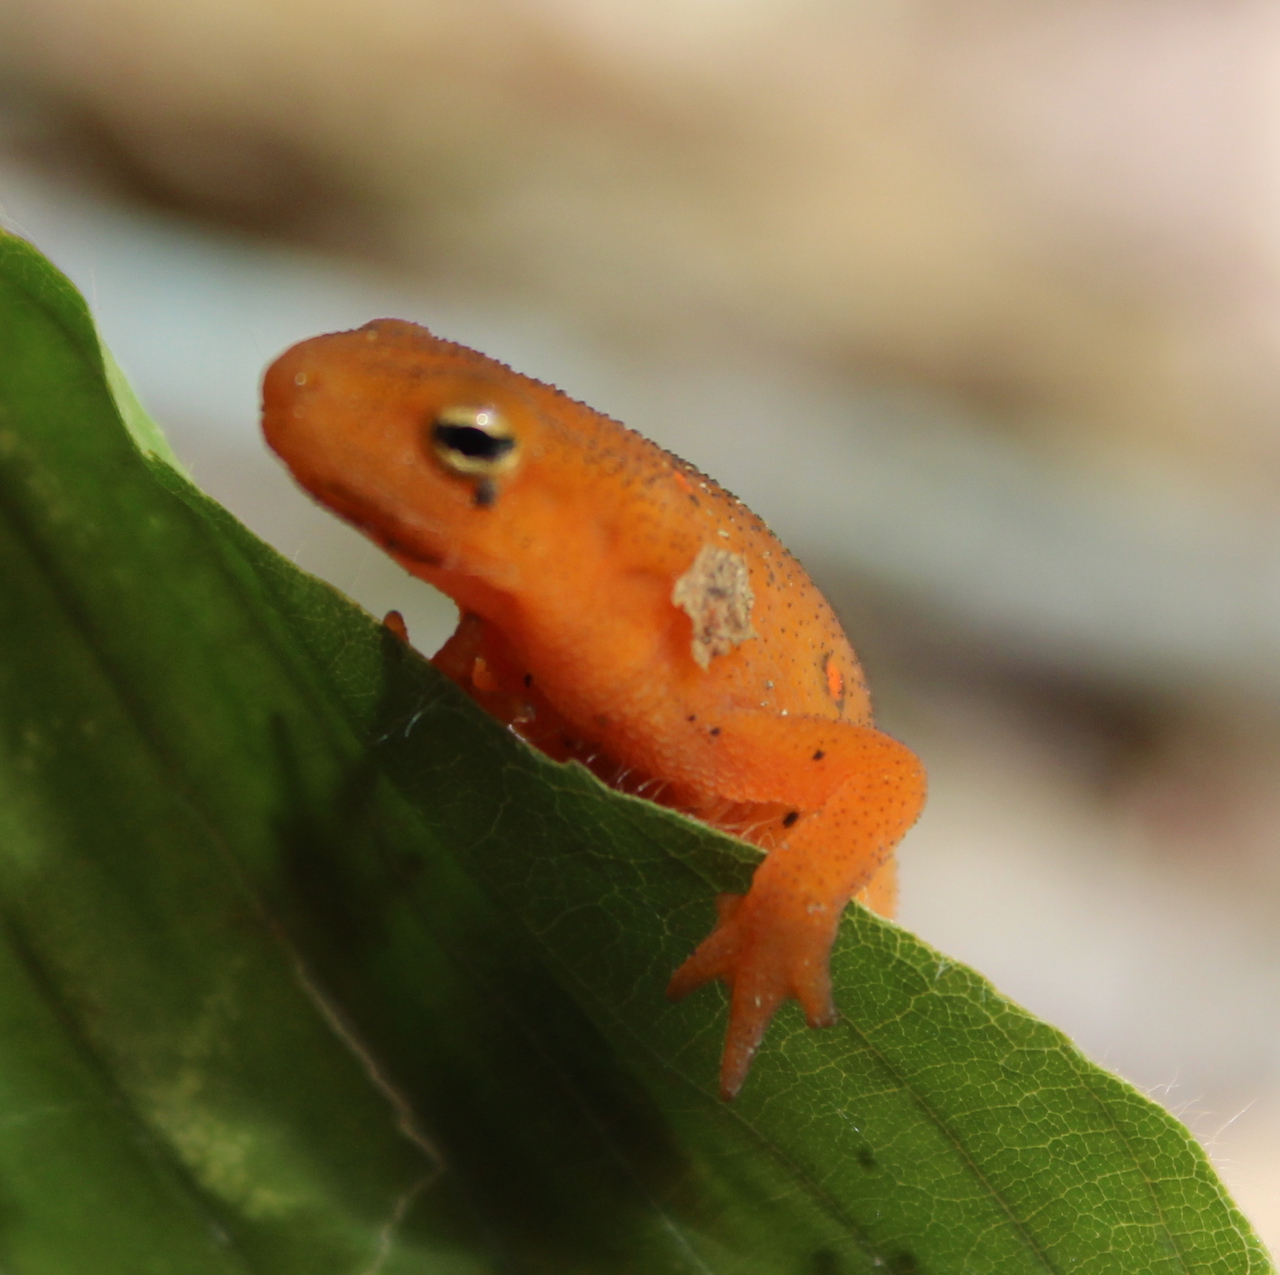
x=979 y=307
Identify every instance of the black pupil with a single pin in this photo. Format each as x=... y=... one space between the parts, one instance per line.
x=471 y=442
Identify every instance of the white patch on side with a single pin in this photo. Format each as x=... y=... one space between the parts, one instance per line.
x=715 y=593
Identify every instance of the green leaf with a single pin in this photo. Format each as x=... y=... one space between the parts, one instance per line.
x=307 y=966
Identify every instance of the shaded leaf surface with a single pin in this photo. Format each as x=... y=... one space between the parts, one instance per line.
x=308 y=966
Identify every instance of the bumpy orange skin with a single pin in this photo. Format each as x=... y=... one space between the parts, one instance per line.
x=564 y=572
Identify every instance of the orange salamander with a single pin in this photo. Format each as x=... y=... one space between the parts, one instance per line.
x=620 y=609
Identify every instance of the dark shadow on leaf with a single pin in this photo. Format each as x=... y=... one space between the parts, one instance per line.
x=560 y=1154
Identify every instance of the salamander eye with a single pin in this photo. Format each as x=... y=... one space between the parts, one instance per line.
x=476 y=441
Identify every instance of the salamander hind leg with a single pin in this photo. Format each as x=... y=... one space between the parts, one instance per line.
x=776 y=940
x=767 y=945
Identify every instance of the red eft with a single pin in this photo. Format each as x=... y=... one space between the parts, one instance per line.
x=619 y=608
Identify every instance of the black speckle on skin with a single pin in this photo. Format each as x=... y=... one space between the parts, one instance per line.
x=715 y=730
x=485 y=494
x=789 y=819
x=819 y=755
x=528 y=679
